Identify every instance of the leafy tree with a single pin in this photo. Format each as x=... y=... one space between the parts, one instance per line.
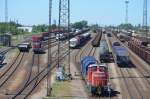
x=40 y=28
x=80 y=25
x=10 y=27
x=54 y=26
x=126 y=26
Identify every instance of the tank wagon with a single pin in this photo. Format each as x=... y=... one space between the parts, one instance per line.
x=24 y=47
x=37 y=44
x=74 y=42
x=95 y=75
x=78 y=40
x=121 y=55
x=104 y=54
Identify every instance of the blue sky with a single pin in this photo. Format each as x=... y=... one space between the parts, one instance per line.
x=104 y=12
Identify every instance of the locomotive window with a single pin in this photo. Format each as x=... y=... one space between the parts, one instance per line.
x=102 y=69
x=94 y=68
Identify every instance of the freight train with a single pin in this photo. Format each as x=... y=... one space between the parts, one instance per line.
x=78 y=40
x=121 y=55
x=95 y=75
x=65 y=35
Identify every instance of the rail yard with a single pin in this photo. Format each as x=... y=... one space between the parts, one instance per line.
x=75 y=60
x=92 y=67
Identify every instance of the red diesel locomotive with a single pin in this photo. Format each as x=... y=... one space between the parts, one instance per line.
x=95 y=75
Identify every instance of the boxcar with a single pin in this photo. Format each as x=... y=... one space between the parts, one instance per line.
x=37 y=44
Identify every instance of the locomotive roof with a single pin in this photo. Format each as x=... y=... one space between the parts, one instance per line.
x=100 y=65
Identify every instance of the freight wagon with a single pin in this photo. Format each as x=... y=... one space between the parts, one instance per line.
x=24 y=47
x=95 y=75
x=104 y=54
x=96 y=40
x=141 y=51
x=37 y=44
x=78 y=40
x=121 y=56
x=74 y=42
x=45 y=36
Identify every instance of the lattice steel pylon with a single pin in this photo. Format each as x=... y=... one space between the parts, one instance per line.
x=64 y=26
x=145 y=17
x=126 y=17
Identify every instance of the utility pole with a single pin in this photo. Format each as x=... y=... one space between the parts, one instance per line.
x=6 y=11
x=64 y=23
x=126 y=17
x=145 y=28
x=49 y=61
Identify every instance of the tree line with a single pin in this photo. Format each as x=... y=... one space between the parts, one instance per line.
x=12 y=27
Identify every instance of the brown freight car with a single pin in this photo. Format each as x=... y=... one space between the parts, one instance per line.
x=96 y=40
x=143 y=52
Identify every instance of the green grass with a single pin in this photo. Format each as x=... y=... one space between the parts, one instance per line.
x=1 y=46
x=60 y=89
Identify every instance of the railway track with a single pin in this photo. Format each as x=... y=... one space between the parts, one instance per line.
x=132 y=91
x=7 y=70
x=87 y=50
x=39 y=76
x=145 y=72
x=133 y=75
x=5 y=50
x=11 y=70
x=36 y=64
x=123 y=76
